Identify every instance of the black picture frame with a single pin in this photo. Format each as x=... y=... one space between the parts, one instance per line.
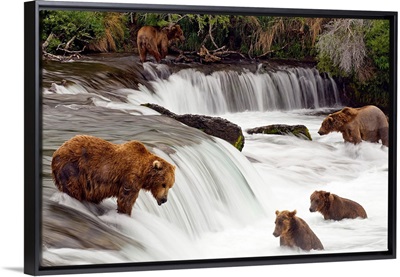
x=33 y=140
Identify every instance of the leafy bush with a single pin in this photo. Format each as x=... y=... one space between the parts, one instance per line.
x=84 y=28
x=359 y=51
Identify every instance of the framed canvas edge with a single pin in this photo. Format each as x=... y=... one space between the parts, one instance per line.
x=108 y=6
x=32 y=191
x=32 y=142
x=392 y=197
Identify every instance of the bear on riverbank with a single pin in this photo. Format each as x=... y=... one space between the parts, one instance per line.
x=332 y=206
x=295 y=232
x=92 y=169
x=368 y=123
x=155 y=40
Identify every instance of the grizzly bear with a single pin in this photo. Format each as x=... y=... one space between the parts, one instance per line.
x=155 y=40
x=368 y=123
x=335 y=207
x=295 y=232
x=92 y=169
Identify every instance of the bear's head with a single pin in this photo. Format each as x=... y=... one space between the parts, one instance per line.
x=318 y=200
x=327 y=126
x=335 y=121
x=175 y=33
x=161 y=179
x=282 y=222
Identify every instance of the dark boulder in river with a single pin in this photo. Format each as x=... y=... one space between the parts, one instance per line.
x=214 y=126
x=300 y=131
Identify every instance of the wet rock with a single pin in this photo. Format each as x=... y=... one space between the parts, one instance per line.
x=66 y=227
x=214 y=126
x=300 y=131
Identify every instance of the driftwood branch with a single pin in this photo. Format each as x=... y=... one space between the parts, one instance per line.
x=211 y=36
x=69 y=43
x=73 y=55
x=272 y=51
x=47 y=41
x=72 y=52
x=204 y=55
x=227 y=53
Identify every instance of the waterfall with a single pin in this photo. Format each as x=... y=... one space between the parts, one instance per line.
x=216 y=187
x=230 y=91
x=223 y=201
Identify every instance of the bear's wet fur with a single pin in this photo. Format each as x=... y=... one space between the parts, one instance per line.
x=92 y=169
x=368 y=123
x=295 y=232
x=334 y=207
x=155 y=40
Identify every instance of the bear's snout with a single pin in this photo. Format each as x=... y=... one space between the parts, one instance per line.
x=161 y=201
x=321 y=133
x=312 y=210
x=275 y=234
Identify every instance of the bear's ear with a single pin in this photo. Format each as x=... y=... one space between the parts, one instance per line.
x=157 y=164
x=330 y=118
x=276 y=212
x=292 y=214
x=349 y=111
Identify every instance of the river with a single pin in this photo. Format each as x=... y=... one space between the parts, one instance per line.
x=223 y=202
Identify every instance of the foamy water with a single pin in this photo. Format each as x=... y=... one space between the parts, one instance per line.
x=223 y=203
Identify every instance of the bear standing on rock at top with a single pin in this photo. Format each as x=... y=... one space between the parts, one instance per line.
x=368 y=123
x=92 y=169
x=155 y=40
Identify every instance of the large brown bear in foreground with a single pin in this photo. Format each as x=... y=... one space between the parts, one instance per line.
x=295 y=232
x=92 y=169
x=335 y=207
x=368 y=123
x=155 y=40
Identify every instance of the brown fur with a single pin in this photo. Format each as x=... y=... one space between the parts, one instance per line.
x=155 y=41
x=368 y=123
x=295 y=232
x=335 y=207
x=92 y=169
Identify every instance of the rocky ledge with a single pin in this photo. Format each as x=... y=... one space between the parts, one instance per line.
x=300 y=131
x=214 y=126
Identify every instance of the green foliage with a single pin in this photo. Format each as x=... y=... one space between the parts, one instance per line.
x=325 y=64
x=85 y=26
x=377 y=41
x=158 y=19
x=369 y=81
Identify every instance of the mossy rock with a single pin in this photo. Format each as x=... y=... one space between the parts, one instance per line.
x=299 y=131
x=214 y=126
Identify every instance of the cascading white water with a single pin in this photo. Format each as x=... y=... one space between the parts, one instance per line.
x=228 y=91
x=222 y=205
x=215 y=187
